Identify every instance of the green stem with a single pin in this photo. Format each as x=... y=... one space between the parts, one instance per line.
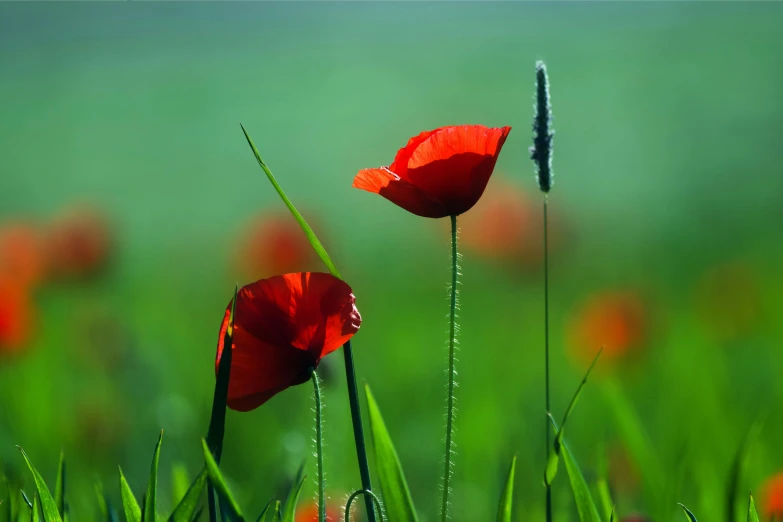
x=450 y=400
x=546 y=359
x=319 y=450
x=358 y=431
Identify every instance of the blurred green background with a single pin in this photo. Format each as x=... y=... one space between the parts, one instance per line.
x=668 y=187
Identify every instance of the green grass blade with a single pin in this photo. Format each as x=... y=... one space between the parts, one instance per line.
x=219 y=483
x=371 y=495
x=189 y=505
x=394 y=488
x=278 y=516
x=289 y=508
x=151 y=497
x=129 y=504
x=48 y=505
x=59 y=485
x=735 y=475
x=262 y=516
x=311 y=237
x=691 y=516
x=585 y=504
x=507 y=498
x=753 y=515
x=34 y=517
x=554 y=453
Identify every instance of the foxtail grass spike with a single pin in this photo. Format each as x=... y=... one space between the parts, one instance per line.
x=543 y=135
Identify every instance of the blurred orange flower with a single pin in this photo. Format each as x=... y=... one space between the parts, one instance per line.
x=21 y=253
x=78 y=243
x=772 y=494
x=616 y=321
x=272 y=244
x=309 y=513
x=728 y=299
x=16 y=315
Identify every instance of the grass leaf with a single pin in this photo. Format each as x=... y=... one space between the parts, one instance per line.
x=289 y=508
x=753 y=515
x=180 y=482
x=278 y=517
x=691 y=516
x=262 y=516
x=585 y=504
x=129 y=504
x=189 y=505
x=507 y=498
x=394 y=489
x=311 y=237
x=151 y=497
x=48 y=505
x=34 y=517
x=735 y=475
x=219 y=483
x=59 y=485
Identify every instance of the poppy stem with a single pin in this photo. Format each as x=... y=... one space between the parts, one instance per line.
x=319 y=450
x=546 y=358
x=358 y=431
x=452 y=373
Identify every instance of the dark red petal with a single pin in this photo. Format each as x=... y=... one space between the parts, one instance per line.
x=283 y=326
x=400 y=192
x=455 y=164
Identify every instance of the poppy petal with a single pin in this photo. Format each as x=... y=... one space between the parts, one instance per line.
x=400 y=163
x=283 y=326
x=400 y=192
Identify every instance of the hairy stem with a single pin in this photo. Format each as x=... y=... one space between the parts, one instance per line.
x=319 y=450
x=546 y=359
x=358 y=431
x=450 y=399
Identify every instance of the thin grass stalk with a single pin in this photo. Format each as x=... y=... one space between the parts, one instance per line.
x=452 y=373
x=546 y=358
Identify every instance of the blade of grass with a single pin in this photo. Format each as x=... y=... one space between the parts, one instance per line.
x=753 y=515
x=585 y=504
x=180 y=482
x=262 y=516
x=151 y=497
x=394 y=488
x=554 y=452
x=217 y=480
x=735 y=475
x=311 y=237
x=277 y=511
x=289 y=508
x=59 y=485
x=48 y=505
x=691 y=516
x=129 y=504
x=507 y=498
x=189 y=505
x=34 y=509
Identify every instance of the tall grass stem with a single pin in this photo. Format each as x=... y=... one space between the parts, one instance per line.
x=546 y=358
x=319 y=449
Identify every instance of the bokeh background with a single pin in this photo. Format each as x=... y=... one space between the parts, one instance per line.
x=130 y=204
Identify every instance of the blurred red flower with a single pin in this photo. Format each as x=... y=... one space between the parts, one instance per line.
x=309 y=513
x=504 y=225
x=21 y=253
x=16 y=315
x=772 y=494
x=439 y=173
x=283 y=326
x=616 y=321
x=77 y=244
x=273 y=243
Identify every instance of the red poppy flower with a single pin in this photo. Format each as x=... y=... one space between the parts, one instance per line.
x=616 y=321
x=21 y=256
x=309 y=513
x=283 y=326
x=78 y=244
x=773 y=497
x=15 y=315
x=439 y=173
x=272 y=244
